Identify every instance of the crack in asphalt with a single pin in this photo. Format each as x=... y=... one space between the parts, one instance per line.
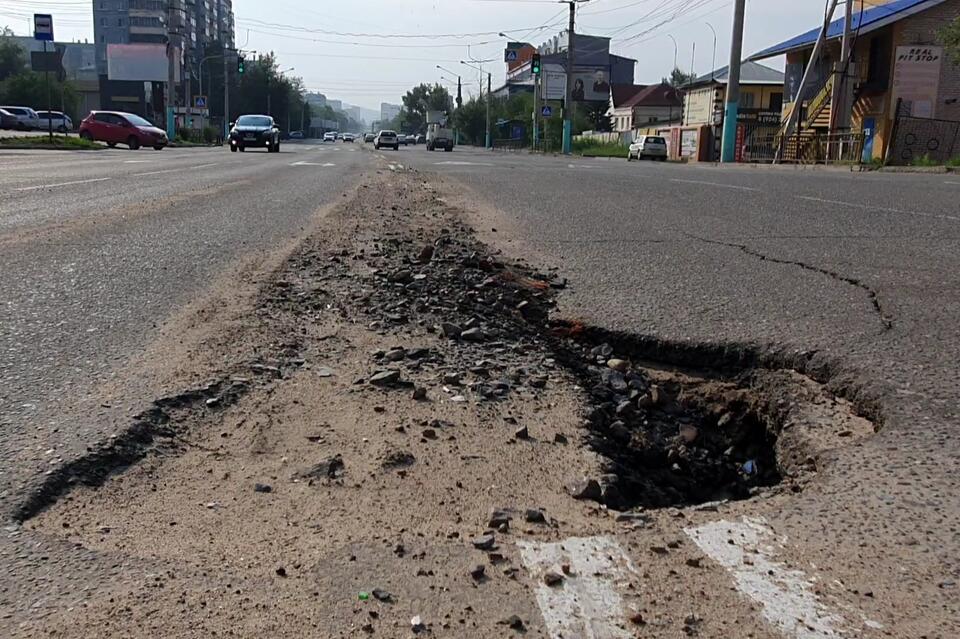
x=871 y=293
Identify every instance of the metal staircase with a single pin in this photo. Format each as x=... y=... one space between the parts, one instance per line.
x=801 y=145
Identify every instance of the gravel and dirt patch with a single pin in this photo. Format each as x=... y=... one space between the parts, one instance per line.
x=393 y=415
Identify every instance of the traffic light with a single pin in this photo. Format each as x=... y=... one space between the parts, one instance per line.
x=535 y=64
x=240 y=62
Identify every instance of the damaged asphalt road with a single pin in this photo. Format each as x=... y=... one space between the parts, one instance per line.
x=403 y=427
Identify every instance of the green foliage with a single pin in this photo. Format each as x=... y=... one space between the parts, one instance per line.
x=924 y=160
x=262 y=89
x=13 y=58
x=29 y=89
x=679 y=77
x=954 y=161
x=949 y=37
x=593 y=148
x=416 y=103
x=43 y=142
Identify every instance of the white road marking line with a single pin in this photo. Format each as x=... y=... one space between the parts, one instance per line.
x=745 y=549
x=303 y=163
x=138 y=161
x=870 y=207
x=717 y=184
x=951 y=182
x=50 y=186
x=179 y=168
x=460 y=163
x=586 y=603
x=581 y=166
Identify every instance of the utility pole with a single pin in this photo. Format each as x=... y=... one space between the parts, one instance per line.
x=840 y=97
x=171 y=72
x=728 y=152
x=568 y=98
x=489 y=141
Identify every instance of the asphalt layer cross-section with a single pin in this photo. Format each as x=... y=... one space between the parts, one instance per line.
x=99 y=248
x=860 y=268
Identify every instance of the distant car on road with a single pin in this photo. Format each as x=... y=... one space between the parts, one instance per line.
x=421 y=138
x=388 y=139
x=330 y=136
x=369 y=137
x=255 y=131
x=296 y=135
x=8 y=120
x=61 y=121
x=349 y=137
x=117 y=127
x=26 y=117
x=648 y=146
x=403 y=139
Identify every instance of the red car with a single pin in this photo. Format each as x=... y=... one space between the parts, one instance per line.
x=116 y=127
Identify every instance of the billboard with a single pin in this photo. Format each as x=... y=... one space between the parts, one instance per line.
x=916 y=79
x=588 y=86
x=554 y=84
x=137 y=62
x=591 y=86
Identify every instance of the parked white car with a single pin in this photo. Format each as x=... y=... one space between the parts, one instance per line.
x=26 y=117
x=330 y=136
x=61 y=121
x=648 y=146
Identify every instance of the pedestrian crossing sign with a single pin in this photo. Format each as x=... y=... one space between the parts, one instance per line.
x=199 y=102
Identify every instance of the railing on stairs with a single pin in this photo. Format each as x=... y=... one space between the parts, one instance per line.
x=795 y=146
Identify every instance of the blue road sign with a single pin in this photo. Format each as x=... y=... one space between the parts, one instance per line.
x=199 y=102
x=546 y=111
x=43 y=27
x=510 y=55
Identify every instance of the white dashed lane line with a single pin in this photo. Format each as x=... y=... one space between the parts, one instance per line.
x=52 y=186
x=871 y=207
x=716 y=184
x=180 y=168
x=747 y=550
x=587 y=603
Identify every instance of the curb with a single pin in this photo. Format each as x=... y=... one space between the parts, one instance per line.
x=917 y=169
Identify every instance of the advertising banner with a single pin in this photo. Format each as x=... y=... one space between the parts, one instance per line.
x=916 y=79
x=137 y=62
x=591 y=86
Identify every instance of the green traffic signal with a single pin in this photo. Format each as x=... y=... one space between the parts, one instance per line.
x=240 y=62
x=535 y=64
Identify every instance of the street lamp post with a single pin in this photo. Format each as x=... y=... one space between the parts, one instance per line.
x=675 y=51
x=456 y=132
x=713 y=60
x=480 y=69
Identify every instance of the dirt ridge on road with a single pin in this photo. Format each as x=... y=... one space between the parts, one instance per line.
x=395 y=416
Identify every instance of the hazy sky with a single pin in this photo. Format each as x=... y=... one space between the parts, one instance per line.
x=342 y=48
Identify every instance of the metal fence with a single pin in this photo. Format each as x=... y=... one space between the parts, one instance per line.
x=916 y=139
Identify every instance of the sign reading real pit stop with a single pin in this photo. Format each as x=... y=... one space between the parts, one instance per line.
x=43 y=27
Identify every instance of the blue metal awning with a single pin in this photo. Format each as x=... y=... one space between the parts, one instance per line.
x=871 y=19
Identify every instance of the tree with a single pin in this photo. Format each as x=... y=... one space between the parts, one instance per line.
x=949 y=37
x=418 y=101
x=262 y=89
x=679 y=77
x=13 y=58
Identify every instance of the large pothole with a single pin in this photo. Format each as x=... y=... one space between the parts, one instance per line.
x=679 y=436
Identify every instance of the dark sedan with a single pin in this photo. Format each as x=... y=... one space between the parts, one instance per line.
x=255 y=131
